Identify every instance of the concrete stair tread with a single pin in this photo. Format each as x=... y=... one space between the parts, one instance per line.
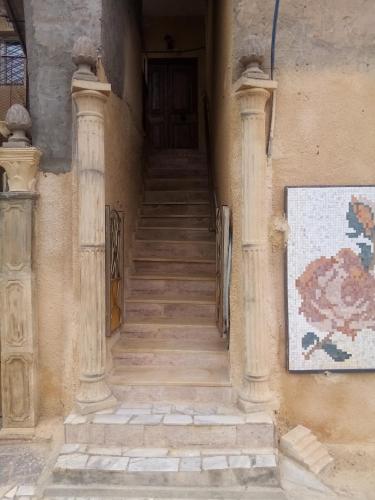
x=171 y=259
x=200 y=277
x=175 y=242
x=164 y=299
x=181 y=321
x=172 y=216
x=176 y=228
x=176 y=203
x=173 y=376
x=180 y=345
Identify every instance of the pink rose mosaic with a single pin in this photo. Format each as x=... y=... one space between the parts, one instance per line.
x=331 y=278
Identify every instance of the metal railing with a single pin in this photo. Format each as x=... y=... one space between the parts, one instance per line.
x=220 y=221
x=13 y=77
x=114 y=237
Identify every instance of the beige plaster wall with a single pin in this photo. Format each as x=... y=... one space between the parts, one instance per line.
x=124 y=136
x=188 y=33
x=56 y=255
x=325 y=115
x=57 y=291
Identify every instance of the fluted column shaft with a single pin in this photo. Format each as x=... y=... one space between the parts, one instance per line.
x=255 y=391
x=93 y=392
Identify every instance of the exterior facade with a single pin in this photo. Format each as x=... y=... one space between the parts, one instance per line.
x=139 y=108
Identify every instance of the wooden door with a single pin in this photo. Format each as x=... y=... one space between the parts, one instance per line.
x=172 y=114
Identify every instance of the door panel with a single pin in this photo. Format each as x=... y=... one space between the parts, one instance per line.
x=172 y=103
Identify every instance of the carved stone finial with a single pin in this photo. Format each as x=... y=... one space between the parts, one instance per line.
x=254 y=58
x=18 y=122
x=84 y=57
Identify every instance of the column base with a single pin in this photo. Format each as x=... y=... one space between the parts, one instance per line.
x=255 y=395
x=86 y=408
x=94 y=395
x=23 y=433
x=254 y=407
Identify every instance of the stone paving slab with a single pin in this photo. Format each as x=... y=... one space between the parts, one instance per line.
x=200 y=415
x=164 y=459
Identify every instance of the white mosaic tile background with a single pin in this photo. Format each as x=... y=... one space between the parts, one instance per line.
x=318 y=228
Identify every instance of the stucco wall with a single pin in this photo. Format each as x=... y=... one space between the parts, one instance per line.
x=56 y=255
x=124 y=132
x=325 y=114
x=52 y=27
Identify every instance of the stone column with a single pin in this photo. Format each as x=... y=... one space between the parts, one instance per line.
x=19 y=387
x=89 y=98
x=253 y=90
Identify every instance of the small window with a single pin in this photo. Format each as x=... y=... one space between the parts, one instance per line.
x=12 y=64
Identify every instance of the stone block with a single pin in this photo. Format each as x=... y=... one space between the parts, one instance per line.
x=77 y=433
x=124 y=435
x=154 y=464
x=177 y=420
x=215 y=463
x=302 y=445
x=255 y=435
x=107 y=463
x=239 y=462
x=191 y=464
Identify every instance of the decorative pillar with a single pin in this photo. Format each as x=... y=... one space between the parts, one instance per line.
x=89 y=98
x=18 y=341
x=253 y=90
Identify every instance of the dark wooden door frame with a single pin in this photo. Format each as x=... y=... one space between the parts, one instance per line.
x=172 y=102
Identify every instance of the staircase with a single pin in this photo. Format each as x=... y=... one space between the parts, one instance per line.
x=170 y=339
x=175 y=432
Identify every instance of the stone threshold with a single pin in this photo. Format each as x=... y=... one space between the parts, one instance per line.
x=76 y=457
x=170 y=414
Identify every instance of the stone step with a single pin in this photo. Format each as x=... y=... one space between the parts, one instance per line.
x=175 y=266
x=61 y=489
x=174 y=222
x=166 y=376
x=152 y=466
x=197 y=195
x=175 y=210
x=138 y=384
x=170 y=307
x=181 y=353
x=174 y=234
x=173 y=172
x=186 y=286
x=163 y=425
x=176 y=183
x=174 y=249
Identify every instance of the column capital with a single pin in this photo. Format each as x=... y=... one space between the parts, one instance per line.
x=21 y=166
x=79 y=86
x=247 y=83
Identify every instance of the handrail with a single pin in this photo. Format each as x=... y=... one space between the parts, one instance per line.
x=211 y=172
x=220 y=222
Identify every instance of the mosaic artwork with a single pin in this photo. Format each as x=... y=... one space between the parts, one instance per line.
x=331 y=278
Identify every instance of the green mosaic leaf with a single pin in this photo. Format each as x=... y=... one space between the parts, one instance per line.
x=335 y=353
x=366 y=255
x=354 y=223
x=309 y=339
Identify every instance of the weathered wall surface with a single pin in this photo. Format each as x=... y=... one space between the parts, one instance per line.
x=325 y=113
x=52 y=27
x=123 y=127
